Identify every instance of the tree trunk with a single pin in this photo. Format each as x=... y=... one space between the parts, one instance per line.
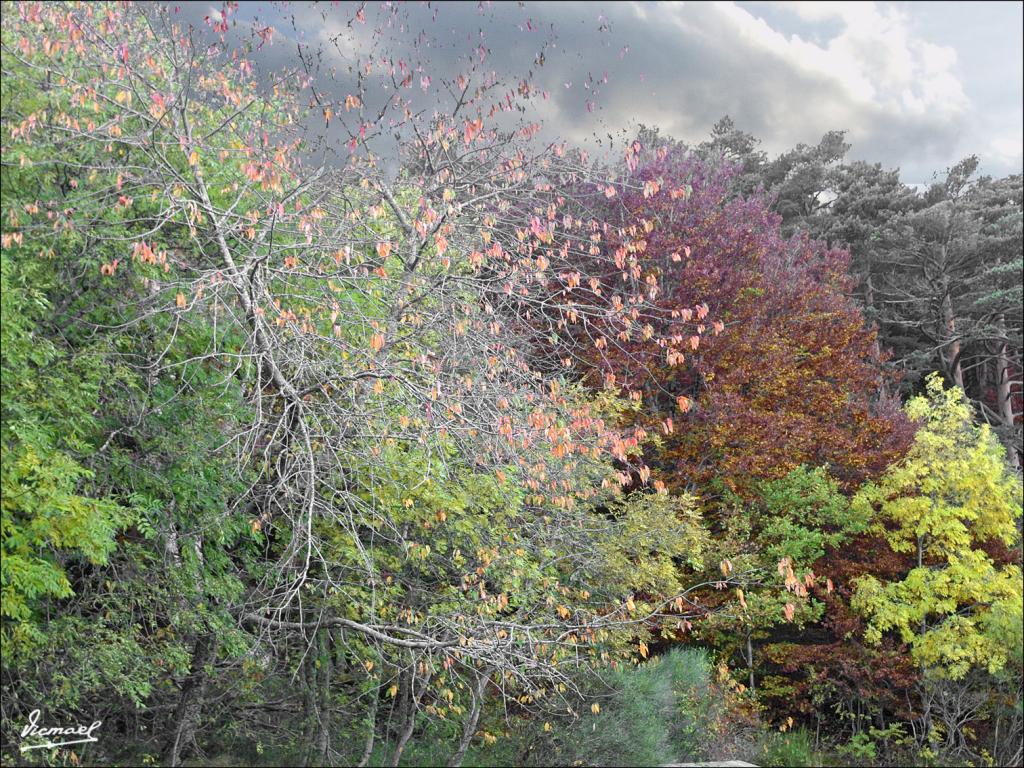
x=409 y=723
x=404 y=736
x=318 y=701
x=1004 y=397
x=953 y=347
x=372 y=720
x=750 y=661
x=477 y=692
x=876 y=345
x=190 y=704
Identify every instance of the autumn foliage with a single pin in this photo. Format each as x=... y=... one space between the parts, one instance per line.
x=363 y=426
x=788 y=373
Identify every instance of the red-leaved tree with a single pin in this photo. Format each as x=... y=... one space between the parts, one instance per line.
x=787 y=373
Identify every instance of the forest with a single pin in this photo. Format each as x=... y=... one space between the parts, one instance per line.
x=385 y=428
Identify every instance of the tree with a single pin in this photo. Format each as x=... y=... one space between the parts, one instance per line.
x=787 y=374
x=938 y=270
x=50 y=512
x=798 y=184
x=949 y=496
x=344 y=409
x=790 y=524
x=948 y=503
x=949 y=290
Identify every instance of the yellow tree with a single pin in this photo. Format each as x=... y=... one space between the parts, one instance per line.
x=951 y=495
x=954 y=504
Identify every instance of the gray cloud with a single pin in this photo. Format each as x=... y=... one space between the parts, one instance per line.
x=785 y=72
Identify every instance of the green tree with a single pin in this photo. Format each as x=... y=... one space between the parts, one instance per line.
x=52 y=511
x=939 y=272
x=785 y=528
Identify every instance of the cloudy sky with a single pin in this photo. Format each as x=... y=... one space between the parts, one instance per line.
x=917 y=85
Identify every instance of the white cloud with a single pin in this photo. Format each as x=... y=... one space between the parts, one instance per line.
x=1007 y=148
x=875 y=59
